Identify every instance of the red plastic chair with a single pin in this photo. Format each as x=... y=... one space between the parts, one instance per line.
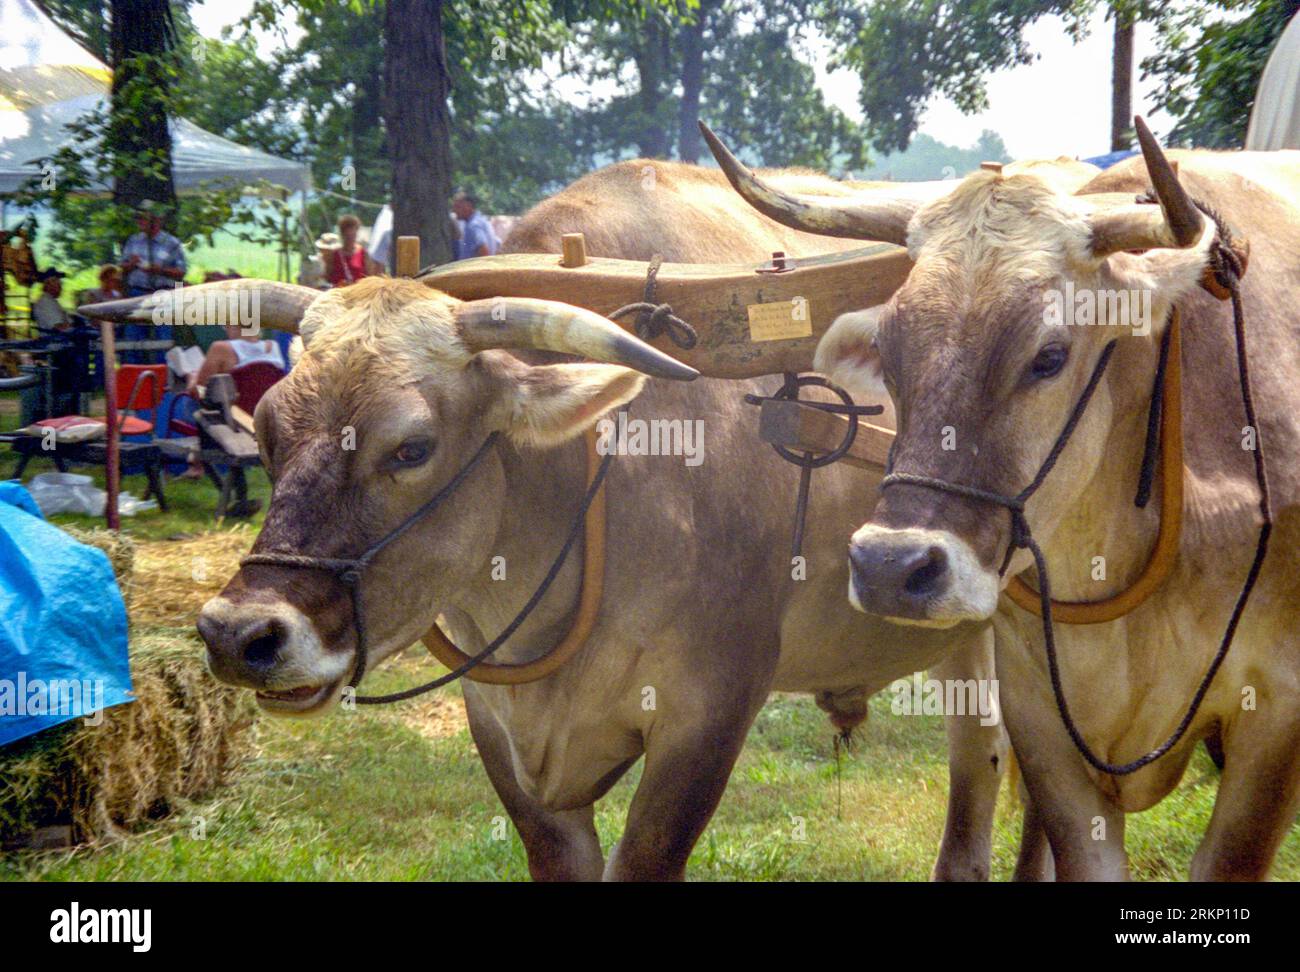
x=140 y=388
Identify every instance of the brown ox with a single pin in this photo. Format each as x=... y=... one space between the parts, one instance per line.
x=983 y=381
x=701 y=618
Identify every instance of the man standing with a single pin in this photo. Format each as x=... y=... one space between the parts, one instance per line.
x=477 y=239
x=151 y=260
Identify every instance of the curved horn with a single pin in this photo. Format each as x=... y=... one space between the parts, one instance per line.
x=548 y=325
x=1176 y=224
x=1185 y=220
x=265 y=302
x=880 y=215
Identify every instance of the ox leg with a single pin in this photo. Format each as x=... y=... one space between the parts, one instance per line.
x=1258 y=796
x=1034 y=862
x=977 y=759
x=561 y=846
x=1084 y=827
x=685 y=775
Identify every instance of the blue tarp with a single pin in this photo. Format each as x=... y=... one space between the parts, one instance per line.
x=1110 y=158
x=62 y=624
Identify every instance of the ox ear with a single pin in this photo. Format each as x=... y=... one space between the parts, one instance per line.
x=847 y=353
x=548 y=404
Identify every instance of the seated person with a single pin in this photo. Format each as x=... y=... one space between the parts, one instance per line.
x=314 y=271
x=70 y=362
x=224 y=357
x=110 y=286
x=47 y=313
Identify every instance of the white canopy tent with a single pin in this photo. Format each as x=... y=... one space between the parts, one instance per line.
x=1275 y=119
x=47 y=80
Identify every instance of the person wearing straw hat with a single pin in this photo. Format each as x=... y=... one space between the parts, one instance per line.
x=314 y=271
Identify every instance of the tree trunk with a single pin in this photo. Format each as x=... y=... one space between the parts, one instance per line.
x=141 y=37
x=691 y=43
x=1121 y=85
x=652 y=58
x=418 y=123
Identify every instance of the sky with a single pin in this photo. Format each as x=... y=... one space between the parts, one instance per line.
x=1059 y=105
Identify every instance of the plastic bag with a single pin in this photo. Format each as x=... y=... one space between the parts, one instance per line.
x=58 y=492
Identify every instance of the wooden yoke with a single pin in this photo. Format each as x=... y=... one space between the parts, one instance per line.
x=735 y=341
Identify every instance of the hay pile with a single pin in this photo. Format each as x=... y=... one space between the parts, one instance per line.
x=178 y=740
x=173 y=579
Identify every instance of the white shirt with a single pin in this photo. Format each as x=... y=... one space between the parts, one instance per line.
x=246 y=351
x=49 y=314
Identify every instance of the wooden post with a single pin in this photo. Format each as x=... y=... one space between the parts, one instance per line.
x=992 y=167
x=574 y=249
x=408 y=256
x=112 y=456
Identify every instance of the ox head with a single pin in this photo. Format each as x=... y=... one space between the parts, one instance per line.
x=397 y=388
x=981 y=369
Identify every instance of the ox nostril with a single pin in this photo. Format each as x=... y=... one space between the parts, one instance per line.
x=926 y=577
x=263 y=650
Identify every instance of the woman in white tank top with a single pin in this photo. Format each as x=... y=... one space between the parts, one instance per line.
x=248 y=351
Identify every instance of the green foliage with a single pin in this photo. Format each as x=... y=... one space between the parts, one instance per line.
x=86 y=21
x=1211 y=55
x=762 y=92
x=90 y=226
x=905 y=52
x=758 y=87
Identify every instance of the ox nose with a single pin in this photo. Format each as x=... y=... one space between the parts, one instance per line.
x=898 y=575
x=242 y=648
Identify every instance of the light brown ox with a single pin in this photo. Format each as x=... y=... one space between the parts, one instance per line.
x=964 y=346
x=699 y=603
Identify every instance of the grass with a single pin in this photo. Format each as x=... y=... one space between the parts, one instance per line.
x=367 y=795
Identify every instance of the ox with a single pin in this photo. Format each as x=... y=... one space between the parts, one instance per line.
x=701 y=618
x=983 y=381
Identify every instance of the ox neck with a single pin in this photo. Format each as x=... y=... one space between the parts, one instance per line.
x=543 y=490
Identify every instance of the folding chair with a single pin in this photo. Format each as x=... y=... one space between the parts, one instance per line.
x=139 y=388
x=223 y=435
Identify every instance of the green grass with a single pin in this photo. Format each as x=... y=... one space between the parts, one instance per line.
x=364 y=795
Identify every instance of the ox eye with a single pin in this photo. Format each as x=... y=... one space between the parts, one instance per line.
x=412 y=453
x=1049 y=361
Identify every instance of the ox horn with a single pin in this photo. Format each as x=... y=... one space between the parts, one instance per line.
x=280 y=306
x=1177 y=224
x=548 y=325
x=882 y=214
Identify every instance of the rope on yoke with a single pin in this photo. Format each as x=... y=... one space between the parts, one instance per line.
x=1226 y=262
x=654 y=319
